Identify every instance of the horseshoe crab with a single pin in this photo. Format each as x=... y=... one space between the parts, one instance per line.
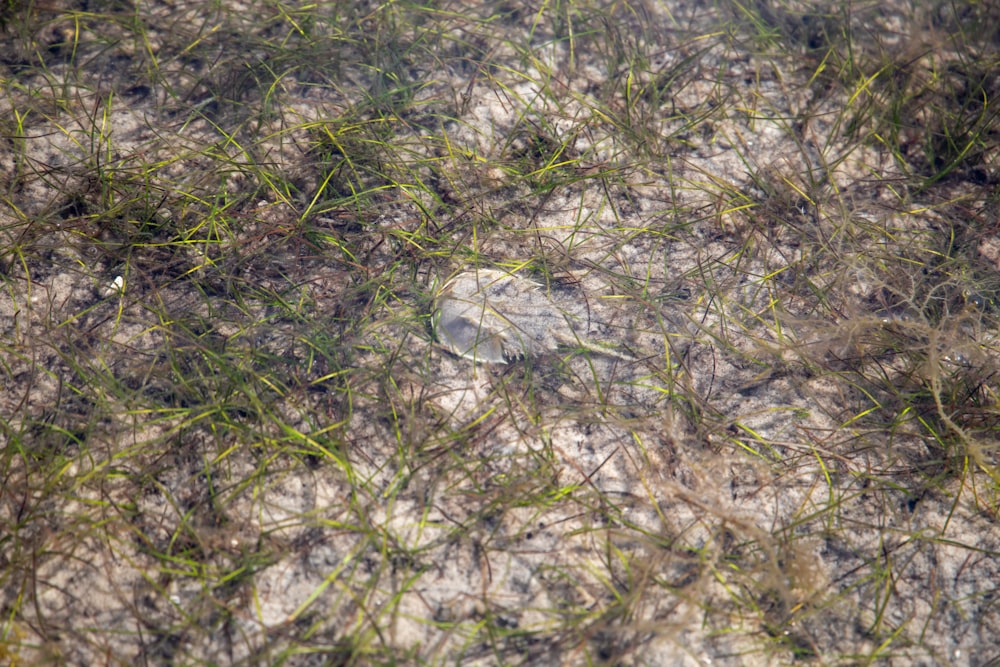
x=492 y=316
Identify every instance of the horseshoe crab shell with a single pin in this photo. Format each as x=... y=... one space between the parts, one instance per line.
x=470 y=320
x=493 y=316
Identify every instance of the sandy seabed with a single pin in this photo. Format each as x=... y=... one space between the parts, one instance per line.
x=232 y=438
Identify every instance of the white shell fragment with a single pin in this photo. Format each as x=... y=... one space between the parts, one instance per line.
x=115 y=288
x=496 y=317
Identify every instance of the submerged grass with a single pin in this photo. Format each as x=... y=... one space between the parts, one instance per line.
x=231 y=434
